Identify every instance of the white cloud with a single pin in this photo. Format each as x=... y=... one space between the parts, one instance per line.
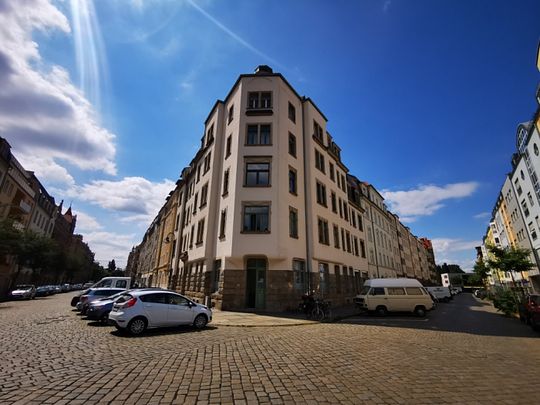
x=386 y=5
x=482 y=215
x=87 y=223
x=425 y=200
x=442 y=246
x=41 y=112
x=110 y=245
x=46 y=169
x=136 y=199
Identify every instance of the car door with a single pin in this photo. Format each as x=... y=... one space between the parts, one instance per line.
x=180 y=311
x=155 y=307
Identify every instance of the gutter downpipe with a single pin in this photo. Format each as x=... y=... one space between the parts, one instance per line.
x=309 y=237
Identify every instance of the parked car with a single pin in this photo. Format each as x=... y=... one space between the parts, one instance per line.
x=42 y=291
x=24 y=291
x=113 y=282
x=94 y=294
x=440 y=293
x=100 y=309
x=141 y=309
x=383 y=295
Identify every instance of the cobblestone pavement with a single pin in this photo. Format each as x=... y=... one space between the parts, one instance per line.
x=49 y=355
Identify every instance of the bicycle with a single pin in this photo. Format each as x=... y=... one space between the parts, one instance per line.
x=321 y=310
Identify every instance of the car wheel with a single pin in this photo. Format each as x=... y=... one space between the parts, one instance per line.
x=200 y=322
x=104 y=318
x=420 y=311
x=136 y=326
x=381 y=311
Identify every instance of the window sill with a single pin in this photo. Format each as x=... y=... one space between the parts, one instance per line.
x=198 y=244
x=294 y=236
x=255 y=232
x=225 y=194
x=293 y=193
x=259 y=111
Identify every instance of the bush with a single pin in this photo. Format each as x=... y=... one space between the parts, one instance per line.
x=506 y=301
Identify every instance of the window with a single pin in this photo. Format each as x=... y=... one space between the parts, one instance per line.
x=292 y=145
x=259 y=100
x=333 y=201
x=292 y=113
x=525 y=208
x=332 y=174
x=174 y=299
x=348 y=240
x=195 y=199
x=200 y=232
x=360 y=224
x=222 y=223
x=355 y=246
x=293 y=222
x=256 y=218
x=376 y=291
x=518 y=187
x=532 y=230
x=323 y=277
x=319 y=161
x=413 y=290
x=531 y=201
x=292 y=181
x=228 y=147
x=317 y=131
x=522 y=175
x=336 y=236
x=191 y=236
x=340 y=209
x=259 y=134
x=299 y=274
x=337 y=272
x=157 y=298
x=323 y=231
x=257 y=174
x=198 y=173
x=535 y=147
x=204 y=195
x=395 y=291
x=343 y=239
x=210 y=135
x=362 y=248
x=321 y=194
x=231 y=114
x=346 y=211
x=226 y=182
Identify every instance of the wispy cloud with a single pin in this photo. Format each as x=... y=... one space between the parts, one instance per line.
x=482 y=215
x=443 y=246
x=426 y=199
x=386 y=5
x=235 y=36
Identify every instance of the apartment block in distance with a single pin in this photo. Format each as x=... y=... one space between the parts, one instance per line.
x=267 y=210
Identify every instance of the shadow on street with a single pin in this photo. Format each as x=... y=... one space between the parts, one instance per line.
x=464 y=314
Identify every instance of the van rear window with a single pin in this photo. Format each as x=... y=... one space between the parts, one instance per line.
x=414 y=291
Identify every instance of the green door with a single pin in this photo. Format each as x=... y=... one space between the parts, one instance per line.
x=256 y=283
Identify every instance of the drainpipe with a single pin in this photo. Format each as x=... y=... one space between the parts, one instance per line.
x=374 y=240
x=306 y=219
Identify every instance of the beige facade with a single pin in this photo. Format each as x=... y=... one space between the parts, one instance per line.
x=265 y=211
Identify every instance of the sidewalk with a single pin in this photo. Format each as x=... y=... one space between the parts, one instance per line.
x=252 y=319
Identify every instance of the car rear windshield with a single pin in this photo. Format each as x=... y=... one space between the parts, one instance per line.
x=124 y=298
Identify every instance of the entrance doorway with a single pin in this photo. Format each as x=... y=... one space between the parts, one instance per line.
x=256 y=283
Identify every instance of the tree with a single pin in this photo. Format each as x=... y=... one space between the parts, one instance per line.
x=111 y=267
x=480 y=273
x=509 y=260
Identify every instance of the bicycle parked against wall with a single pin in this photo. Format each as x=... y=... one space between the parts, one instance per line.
x=315 y=308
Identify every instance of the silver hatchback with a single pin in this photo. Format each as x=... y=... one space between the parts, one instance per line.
x=138 y=310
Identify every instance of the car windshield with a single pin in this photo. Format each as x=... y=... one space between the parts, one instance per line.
x=364 y=290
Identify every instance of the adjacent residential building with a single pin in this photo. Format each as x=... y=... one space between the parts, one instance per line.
x=267 y=210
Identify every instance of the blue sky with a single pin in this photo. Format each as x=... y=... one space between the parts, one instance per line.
x=422 y=96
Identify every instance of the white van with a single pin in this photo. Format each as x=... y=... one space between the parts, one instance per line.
x=113 y=282
x=384 y=295
x=440 y=293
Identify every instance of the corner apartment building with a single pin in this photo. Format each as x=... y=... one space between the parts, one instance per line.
x=266 y=210
x=515 y=217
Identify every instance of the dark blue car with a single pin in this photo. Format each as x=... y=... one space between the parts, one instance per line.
x=99 y=310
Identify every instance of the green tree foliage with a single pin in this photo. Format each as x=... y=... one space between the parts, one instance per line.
x=111 y=266
x=511 y=260
x=480 y=273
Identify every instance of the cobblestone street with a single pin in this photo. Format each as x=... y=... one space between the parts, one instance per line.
x=463 y=353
